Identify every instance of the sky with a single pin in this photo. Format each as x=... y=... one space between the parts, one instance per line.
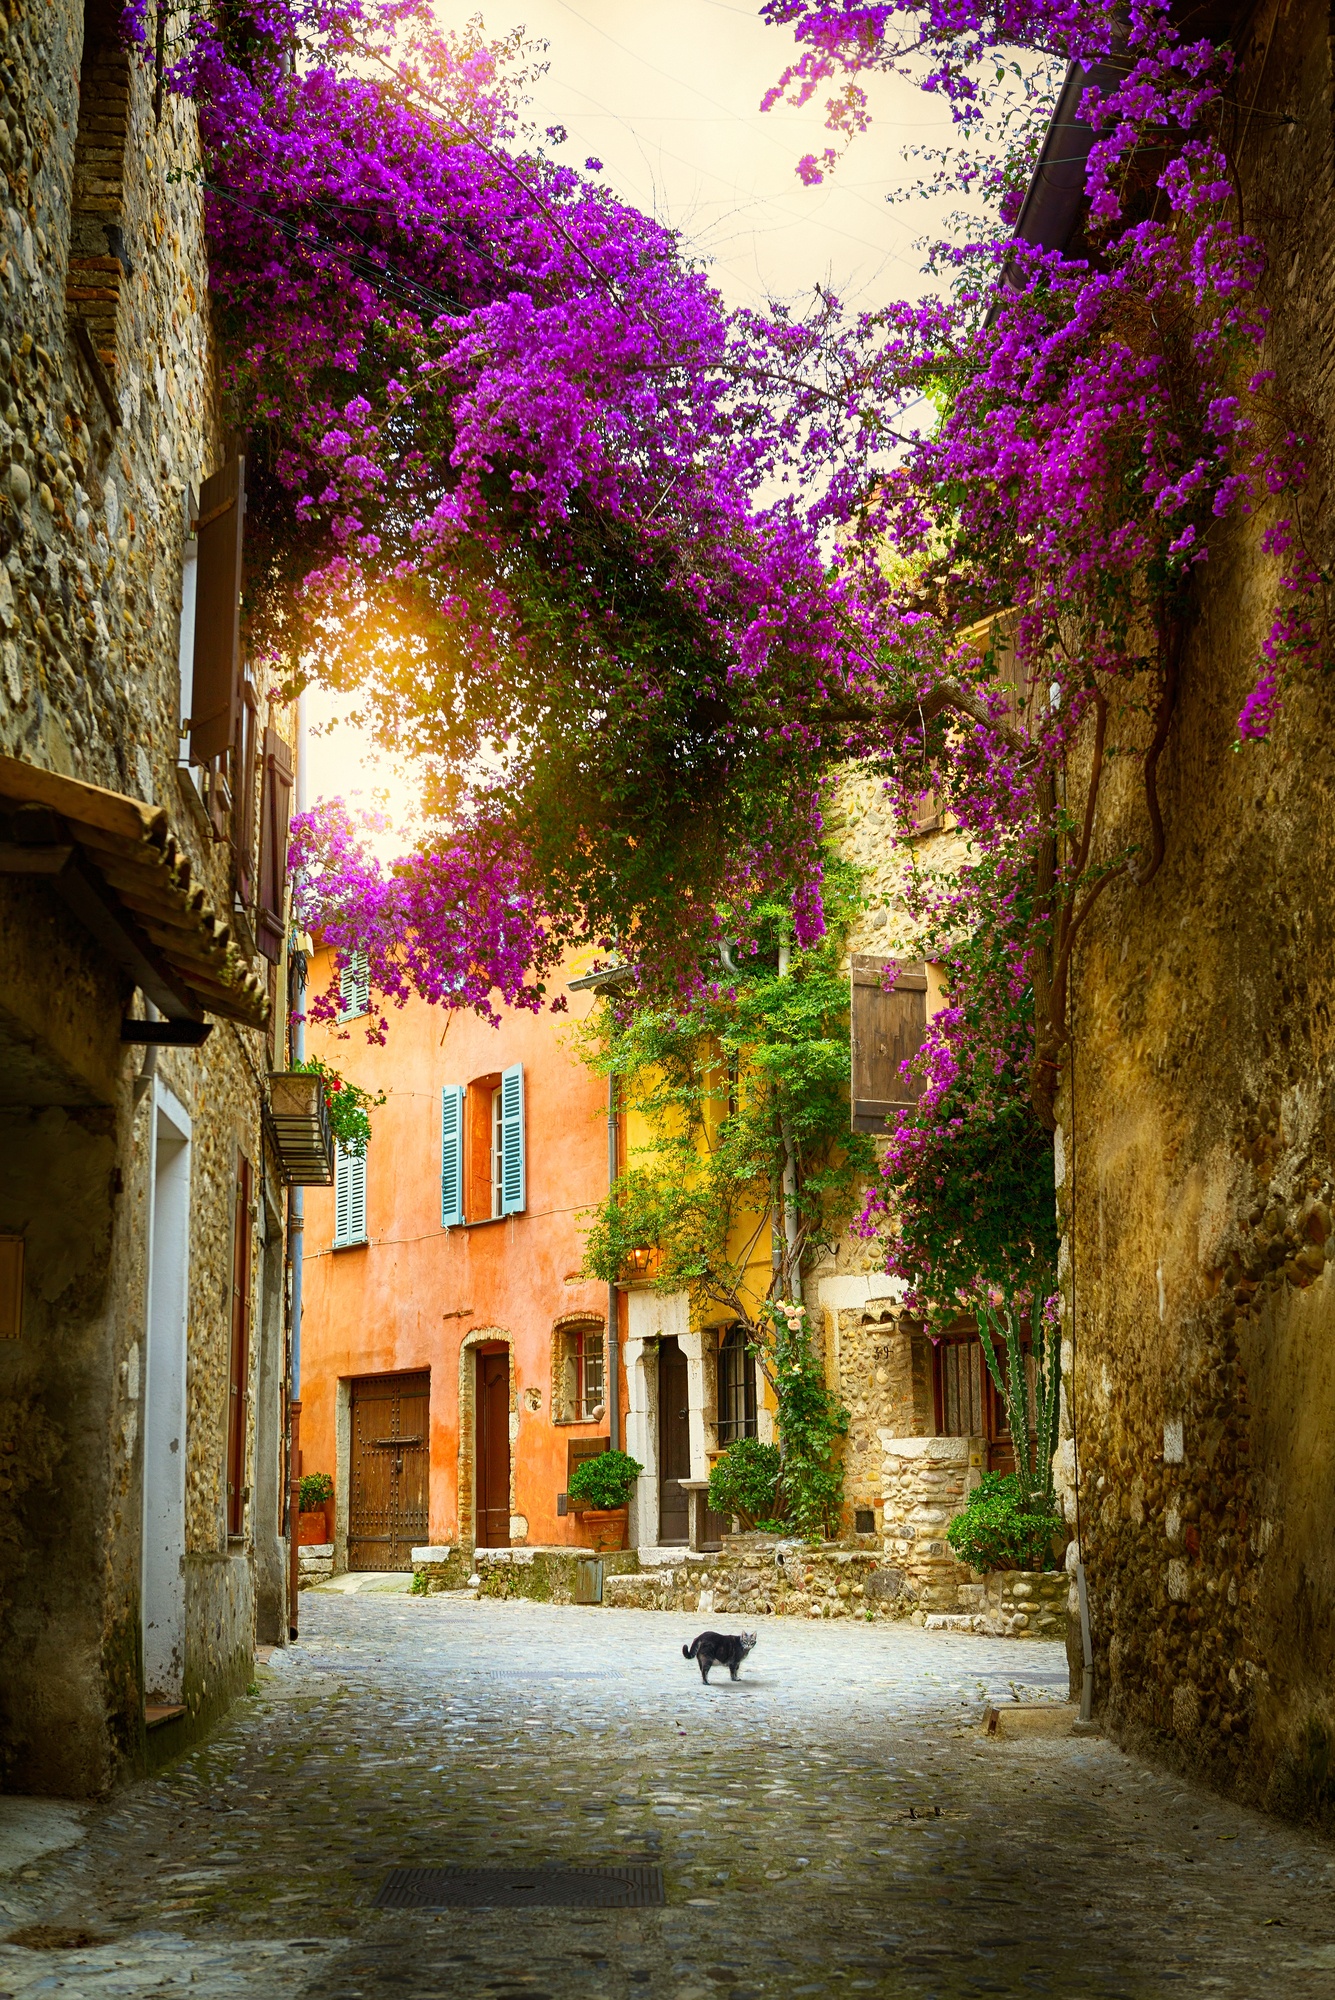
x=666 y=94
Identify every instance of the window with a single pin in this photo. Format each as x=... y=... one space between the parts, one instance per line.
x=99 y=262
x=354 y=985
x=968 y=1403
x=887 y=1030
x=579 y=1394
x=736 y=1388
x=960 y=1401
x=11 y=1287
x=482 y=1164
x=349 y=1199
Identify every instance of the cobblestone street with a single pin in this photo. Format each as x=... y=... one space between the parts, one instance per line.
x=833 y=1822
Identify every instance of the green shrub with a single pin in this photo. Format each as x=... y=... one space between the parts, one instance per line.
x=745 y=1481
x=315 y=1489
x=605 y=1481
x=348 y=1105
x=997 y=1530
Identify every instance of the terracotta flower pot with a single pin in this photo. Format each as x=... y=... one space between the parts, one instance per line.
x=312 y=1530
x=605 y=1527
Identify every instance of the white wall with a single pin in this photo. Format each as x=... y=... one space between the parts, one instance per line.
x=164 y=1400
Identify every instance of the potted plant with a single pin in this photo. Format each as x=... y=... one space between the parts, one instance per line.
x=316 y=1491
x=604 y=1484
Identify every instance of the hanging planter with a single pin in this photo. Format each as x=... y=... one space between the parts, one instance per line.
x=297 y=1117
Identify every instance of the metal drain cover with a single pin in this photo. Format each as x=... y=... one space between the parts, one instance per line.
x=624 y=1888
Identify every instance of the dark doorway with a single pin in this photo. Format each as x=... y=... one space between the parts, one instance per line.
x=674 y=1443
x=391 y=1461
x=493 y=1451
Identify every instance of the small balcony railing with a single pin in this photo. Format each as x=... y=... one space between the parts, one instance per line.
x=297 y=1118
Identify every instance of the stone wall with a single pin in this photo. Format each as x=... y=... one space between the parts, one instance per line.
x=1196 y=1151
x=755 y=1576
x=926 y=1480
x=109 y=414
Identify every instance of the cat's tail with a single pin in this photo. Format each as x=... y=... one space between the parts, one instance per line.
x=688 y=1652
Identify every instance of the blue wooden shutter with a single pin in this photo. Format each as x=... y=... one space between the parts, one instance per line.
x=451 y=1156
x=513 y=1189
x=349 y=1198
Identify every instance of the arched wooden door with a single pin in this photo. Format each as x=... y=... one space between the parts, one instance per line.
x=391 y=1463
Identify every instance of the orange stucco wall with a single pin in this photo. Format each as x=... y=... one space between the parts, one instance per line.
x=414 y=1294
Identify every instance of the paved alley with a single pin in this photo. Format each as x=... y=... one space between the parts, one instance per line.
x=831 y=1823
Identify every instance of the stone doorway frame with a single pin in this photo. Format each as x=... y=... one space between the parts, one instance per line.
x=495 y=1337
x=652 y=1317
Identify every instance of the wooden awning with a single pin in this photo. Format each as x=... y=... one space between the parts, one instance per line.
x=117 y=864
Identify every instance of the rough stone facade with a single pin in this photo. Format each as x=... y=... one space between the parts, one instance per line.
x=1196 y=1149
x=109 y=422
x=926 y=1482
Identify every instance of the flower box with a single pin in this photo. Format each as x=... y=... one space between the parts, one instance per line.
x=298 y=1121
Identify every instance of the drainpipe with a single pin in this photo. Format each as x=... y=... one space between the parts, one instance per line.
x=296 y=1231
x=791 y=1284
x=1087 y=1681
x=613 y=1301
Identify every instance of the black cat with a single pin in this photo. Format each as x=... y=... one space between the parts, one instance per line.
x=719 y=1649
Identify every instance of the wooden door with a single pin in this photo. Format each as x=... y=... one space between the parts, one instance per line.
x=391 y=1463
x=674 y=1443
x=493 y=1451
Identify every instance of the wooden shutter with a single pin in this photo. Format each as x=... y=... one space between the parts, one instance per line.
x=354 y=985
x=452 y=1156
x=243 y=816
x=887 y=1031
x=275 y=811
x=215 y=694
x=513 y=1176
x=349 y=1198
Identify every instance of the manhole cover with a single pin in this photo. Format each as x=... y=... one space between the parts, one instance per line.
x=622 y=1888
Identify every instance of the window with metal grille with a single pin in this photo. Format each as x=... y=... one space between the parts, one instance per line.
x=736 y=1388
x=581 y=1375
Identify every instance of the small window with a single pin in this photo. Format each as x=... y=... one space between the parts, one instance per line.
x=579 y=1391
x=354 y=985
x=11 y=1287
x=864 y=1521
x=736 y=1388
